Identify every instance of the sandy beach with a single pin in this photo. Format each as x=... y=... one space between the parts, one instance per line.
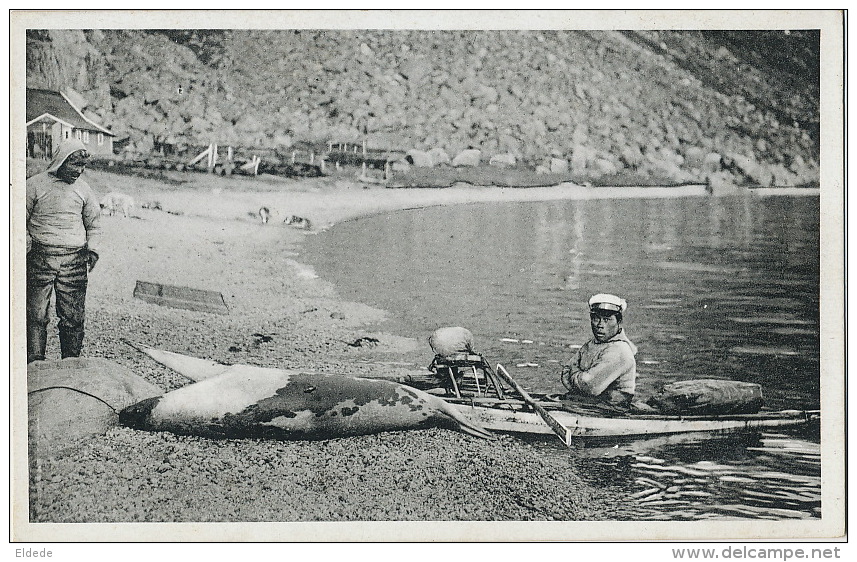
x=205 y=235
x=531 y=108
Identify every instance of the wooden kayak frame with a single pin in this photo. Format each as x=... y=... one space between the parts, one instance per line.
x=572 y=421
x=516 y=416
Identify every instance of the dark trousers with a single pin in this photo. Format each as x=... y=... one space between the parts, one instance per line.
x=52 y=269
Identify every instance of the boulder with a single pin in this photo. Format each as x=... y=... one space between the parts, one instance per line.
x=467 y=157
x=783 y=177
x=581 y=156
x=631 y=156
x=805 y=172
x=558 y=166
x=504 y=160
x=439 y=156
x=75 y=398
x=798 y=165
x=419 y=158
x=282 y=140
x=750 y=169
x=605 y=167
x=694 y=157
x=763 y=176
x=721 y=183
x=712 y=162
x=664 y=169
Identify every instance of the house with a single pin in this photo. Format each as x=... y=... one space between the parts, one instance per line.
x=51 y=117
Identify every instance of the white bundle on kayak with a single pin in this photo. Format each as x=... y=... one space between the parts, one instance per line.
x=451 y=341
x=708 y=397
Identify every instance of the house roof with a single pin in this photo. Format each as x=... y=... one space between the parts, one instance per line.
x=41 y=103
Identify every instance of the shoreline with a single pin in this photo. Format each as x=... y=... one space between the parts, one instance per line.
x=327 y=201
x=205 y=236
x=465 y=194
x=282 y=318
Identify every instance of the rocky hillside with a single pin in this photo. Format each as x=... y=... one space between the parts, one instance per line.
x=677 y=105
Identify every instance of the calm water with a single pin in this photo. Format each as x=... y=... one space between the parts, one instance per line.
x=716 y=288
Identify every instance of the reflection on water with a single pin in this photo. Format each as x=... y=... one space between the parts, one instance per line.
x=697 y=477
x=717 y=288
x=775 y=477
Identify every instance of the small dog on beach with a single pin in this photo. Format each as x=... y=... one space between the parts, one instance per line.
x=115 y=202
x=153 y=205
x=298 y=222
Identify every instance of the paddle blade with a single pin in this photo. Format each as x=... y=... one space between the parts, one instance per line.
x=191 y=367
x=561 y=431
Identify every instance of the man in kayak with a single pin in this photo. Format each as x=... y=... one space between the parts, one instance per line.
x=604 y=367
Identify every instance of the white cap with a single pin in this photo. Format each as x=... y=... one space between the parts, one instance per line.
x=606 y=302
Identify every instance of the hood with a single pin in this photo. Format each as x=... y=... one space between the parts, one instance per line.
x=622 y=337
x=66 y=148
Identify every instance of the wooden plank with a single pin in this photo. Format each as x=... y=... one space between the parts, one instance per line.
x=181 y=297
x=200 y=156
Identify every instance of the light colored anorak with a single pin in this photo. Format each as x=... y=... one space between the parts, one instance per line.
x=59 y=214
x=603 y=368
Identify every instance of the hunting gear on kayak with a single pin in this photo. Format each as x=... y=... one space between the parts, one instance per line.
x=604 y=367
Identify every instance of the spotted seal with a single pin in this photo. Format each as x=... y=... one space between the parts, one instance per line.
x=235 y=401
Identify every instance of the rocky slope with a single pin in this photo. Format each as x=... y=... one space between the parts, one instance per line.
x=684 y=106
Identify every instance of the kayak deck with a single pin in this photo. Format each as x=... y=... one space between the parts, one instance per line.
x=517 y=417
x=474 y=388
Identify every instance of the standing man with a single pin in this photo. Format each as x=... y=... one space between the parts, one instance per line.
x=62 y=231
x=604 y=366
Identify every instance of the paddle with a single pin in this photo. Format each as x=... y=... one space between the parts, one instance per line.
x=562 y=432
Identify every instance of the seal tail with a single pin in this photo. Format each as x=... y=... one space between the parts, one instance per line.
x=191 y=367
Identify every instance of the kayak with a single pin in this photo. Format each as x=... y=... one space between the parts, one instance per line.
x=516 y=416
x=514 y=410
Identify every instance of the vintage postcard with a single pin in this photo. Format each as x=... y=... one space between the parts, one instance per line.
x=427 y=276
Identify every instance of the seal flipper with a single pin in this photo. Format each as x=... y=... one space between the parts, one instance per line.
x=191 y=367
x=460 y=420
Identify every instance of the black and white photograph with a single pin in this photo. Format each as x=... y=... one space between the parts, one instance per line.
x=421 y=276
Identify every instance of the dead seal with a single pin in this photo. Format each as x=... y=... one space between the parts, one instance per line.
x=238 y=401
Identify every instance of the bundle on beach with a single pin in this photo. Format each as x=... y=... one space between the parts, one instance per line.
x=708 y=397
